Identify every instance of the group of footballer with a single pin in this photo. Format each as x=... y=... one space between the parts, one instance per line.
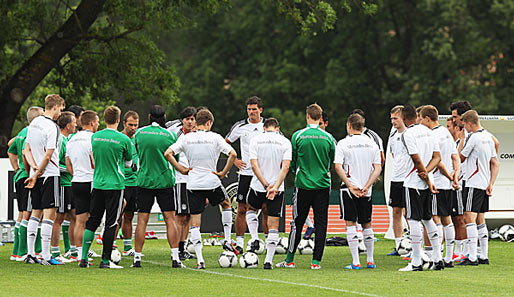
x=70 y=177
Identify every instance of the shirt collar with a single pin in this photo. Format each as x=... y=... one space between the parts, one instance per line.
x=155 y=124
x=312 y=126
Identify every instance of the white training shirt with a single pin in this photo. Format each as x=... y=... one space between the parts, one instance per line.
x=400 y=156
x=375 y=137
x=418 y=139
x=176 y=127
x=269 y=149
x=79 y=150
x=202 y=149
x=478 y=150
x=43 y=134
x=357 y=153
x=245 y=131
x=447 y=149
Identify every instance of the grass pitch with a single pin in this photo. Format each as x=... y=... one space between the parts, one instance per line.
x=157 y=278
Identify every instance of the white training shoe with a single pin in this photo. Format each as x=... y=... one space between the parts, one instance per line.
x=111 y=265
x=92 y=254
x=21 y=258
x=130 y=252
x=61 y=259
x=67 y=254
x=13 y=258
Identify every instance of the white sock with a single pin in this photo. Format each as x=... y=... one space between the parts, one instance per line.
x=240 y=241
x=433 y=236
x=196 y=238
x=174 y=254
x=253 y=224
x=472 y=231
x=308 y=222
x=46 y=236
x=226 y=220
x=483 y=237
x=271 y=245
x=353 y=243
x=417 y=236
x=440 y=233
x=458 y=247
x=31 y=235
x=369 y=242
x=465 y=246
x=79 y=251
x=449 y=238
x=397 y=242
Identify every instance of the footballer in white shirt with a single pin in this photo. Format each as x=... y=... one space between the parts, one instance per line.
x=482 y=165
x=202 y=149
x=270 y=157
x=358 y=164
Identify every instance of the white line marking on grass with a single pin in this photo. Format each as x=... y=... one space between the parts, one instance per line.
x=270 y=280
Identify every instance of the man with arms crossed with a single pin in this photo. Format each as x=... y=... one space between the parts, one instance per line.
x=110 y=150
x=42 y=150
x=446 y=178
x=358 y=164
x=245 y=130
x=270 y=156
x=202 y=149
x=312 y=156
x=482 y=166
x=424 y=157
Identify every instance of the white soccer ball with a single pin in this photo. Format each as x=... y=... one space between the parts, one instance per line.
x=116 y=256
x=509 y=235
x=426 y=261
x=227 y=259
x=504 y=230
x=282 y=245
x=249 y=260
x=190 y=247
x=261 y=246
x=404 y=247
x=362 y=247
x=306 y=247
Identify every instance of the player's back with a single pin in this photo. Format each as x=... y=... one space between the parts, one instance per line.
x=418 y=139
x=43 y=134
x=447 y=148
x=478 y=149
x=78 y=150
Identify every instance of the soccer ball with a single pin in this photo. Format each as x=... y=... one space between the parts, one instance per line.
x=426 y=261
x=361 y=247
x=404 y=247
x=116 y=256
x=190 y=247
x=306 y=247
x=506 y=230
x=249 y=260
x=282 y=245
x=227 y=259
x=261 y=246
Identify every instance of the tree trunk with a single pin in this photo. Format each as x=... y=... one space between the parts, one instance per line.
x=14 y=93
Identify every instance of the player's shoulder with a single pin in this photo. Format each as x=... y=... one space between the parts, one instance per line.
x=173 y=123
x=239 y=124
x=394 y=132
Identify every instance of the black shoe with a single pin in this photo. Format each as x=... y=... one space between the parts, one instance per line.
x=182 y=256
x=136 y=264
x=267 y=266
x=177 y=264
x=483 y=261
x=417 y=268
x=228 y=246
x=449 y=264
x=31 y=260
x=200 y=265
x=254 y=247
x=439 y=265
x=468 y=262
x=83 y=263
x=239 y=250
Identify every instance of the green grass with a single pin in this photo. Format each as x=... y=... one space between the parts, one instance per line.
x=156 y=278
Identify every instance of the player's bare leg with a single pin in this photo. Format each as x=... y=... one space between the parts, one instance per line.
x=240 y=224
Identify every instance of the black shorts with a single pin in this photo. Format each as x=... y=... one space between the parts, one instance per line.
x=418 y=204
x=22 y=196
x=442 y=203
x=457 y=203
x=164 y=197
x=197 y=198
x=45 y=193
x=81 y=194
x=475 y=200
x=182 y=199
x=243 y=186
x=396 y=195
x=355 y=209
x=66 y=197
x=273 y=207
x=130 y=196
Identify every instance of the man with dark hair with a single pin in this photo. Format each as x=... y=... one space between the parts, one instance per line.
x=182 y=126
x=245 y=130
x=110 y=149
x=155 y=181
x=359 y=155
x=371 y=134
x=77 y=111
x=424 y=157
x=458 y=108
x=312 y=157
x=42 y=152
x=80 y=164
x=202 y=149
x=270 y=156
x=130 y=125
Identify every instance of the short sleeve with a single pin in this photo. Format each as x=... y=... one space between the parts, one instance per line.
x=437 y=147
x=377 y=158
x=339 y=155
x=178 y=146
x=469 y=144
x=288 y=151
x=52 y=138
x=234 y=133
x=253 y=149
x=410 y=143
x=223 y=146
x=127 y=154
x=13 y=148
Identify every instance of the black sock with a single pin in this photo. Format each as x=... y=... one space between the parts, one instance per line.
x=181 y=246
